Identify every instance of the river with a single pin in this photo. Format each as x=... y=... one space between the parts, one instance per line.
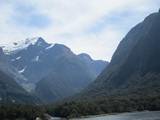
x=147 y=115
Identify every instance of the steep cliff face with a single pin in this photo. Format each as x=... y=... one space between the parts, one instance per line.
x=135 y=66
x=10 y=90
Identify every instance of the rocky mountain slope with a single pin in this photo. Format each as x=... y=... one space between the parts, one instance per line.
x=53 y=68
x=135 y=66
x=10 y=90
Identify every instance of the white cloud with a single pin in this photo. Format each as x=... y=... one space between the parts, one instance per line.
x=71 y=20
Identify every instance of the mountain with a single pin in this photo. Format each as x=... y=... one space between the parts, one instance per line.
x=135 y=67
x=95 y=65
x=69 y=75
x=131 y=81
x=53 y=68
x=10 y=90
x=26 y=59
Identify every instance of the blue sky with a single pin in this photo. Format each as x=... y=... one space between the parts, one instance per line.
x=92 y=26
x=28 y=16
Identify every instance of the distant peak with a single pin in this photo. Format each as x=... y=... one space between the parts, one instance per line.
x=40 y=42
x=23 y=44
x=40 y=39
x=30 y=40
x=85 y=56
x=35 y=40
x=60 y=46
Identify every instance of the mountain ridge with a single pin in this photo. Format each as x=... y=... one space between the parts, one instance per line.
x=131 y=81
x=137 y=60
x=41 y=62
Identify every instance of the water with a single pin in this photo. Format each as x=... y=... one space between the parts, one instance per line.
x=128 y=116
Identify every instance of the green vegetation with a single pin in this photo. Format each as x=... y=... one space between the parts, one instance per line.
x=82 y=108
x=21 y=112
x=105 y=106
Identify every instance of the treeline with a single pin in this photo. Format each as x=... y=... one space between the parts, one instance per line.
x=21 y=112
x=105 y=105
x=81 y=108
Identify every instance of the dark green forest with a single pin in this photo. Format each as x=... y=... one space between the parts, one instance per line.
x=21 y=112
x=79 y=108
x=105 y=106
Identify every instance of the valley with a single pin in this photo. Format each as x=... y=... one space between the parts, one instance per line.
x=67 y=72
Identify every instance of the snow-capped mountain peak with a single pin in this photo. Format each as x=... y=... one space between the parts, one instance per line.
x=29 y=41
x=23 y=44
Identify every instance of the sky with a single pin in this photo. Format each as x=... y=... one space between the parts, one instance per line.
x=86 y=26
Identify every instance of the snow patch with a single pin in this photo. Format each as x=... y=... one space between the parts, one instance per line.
x=18 y=58
x=36 y=59
x=49 y=46
x=22 y=71
x=19 y=45
x=29 y=86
